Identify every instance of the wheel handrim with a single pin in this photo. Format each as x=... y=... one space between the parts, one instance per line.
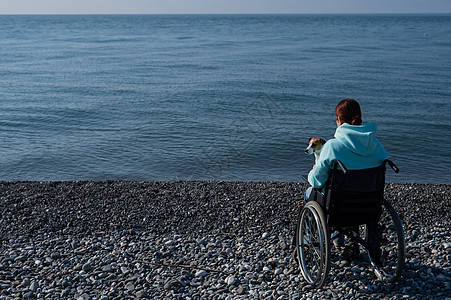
x=311 y=246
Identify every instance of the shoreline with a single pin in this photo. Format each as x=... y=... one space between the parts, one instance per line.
x=198 y=239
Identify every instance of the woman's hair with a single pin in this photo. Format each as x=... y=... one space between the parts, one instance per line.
x=348 y=110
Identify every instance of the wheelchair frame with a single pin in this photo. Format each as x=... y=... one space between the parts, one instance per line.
x=320 y=215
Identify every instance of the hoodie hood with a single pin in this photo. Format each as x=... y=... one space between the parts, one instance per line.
x=359 y=139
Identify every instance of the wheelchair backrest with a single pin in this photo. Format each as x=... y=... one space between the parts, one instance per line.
x=354 y=197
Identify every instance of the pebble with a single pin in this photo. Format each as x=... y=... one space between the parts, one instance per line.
x=108 y=268
x=230 y=280
x=141 y=294
x=34 y=286
x=201 y=273
x=155 y=238
x=87 y=267
x=130 y=286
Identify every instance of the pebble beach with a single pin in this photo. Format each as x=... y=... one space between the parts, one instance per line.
x=197 y=240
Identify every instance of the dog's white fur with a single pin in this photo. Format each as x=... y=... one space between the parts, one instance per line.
x=314 y=147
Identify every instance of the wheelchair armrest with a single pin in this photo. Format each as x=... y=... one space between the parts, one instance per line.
x=342 y=166
x=392 y=165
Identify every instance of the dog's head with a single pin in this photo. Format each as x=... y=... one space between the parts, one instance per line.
x=314 y=145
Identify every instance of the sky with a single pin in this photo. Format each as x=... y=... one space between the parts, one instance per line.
x=221 y=6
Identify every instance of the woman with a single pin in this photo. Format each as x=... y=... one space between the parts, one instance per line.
x=357 y=147
x=355 y=144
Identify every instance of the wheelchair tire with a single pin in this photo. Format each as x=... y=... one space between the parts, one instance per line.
x=392 y=245
x=313 y=245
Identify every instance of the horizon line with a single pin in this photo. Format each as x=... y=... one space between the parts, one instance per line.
x=244 y=13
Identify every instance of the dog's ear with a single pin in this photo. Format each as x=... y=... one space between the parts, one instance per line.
x=322 y=141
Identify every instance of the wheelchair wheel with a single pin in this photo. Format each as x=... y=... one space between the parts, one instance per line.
x=313 y=245
x=392 y=245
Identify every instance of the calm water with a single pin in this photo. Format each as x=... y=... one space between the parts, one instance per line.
x=218 y=97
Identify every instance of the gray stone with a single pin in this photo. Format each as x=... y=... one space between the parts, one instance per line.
x=230 y=280
x=33 y=286
x=141 y=294
x=201 y=273
x=108 y=268
x=87 y=267
x=130 y=286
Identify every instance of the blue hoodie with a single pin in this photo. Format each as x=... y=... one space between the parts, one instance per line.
x=356 y=146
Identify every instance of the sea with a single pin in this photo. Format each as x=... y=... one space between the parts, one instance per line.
x=217 y=97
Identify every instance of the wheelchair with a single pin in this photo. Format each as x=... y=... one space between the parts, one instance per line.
x=352 y=205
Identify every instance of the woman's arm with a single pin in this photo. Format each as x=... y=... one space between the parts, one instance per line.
x=317 y=177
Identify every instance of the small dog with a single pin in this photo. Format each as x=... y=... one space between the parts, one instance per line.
x=314 y=147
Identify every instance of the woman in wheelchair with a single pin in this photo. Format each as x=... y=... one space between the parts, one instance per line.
x=357 y=147
x=338 y=194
